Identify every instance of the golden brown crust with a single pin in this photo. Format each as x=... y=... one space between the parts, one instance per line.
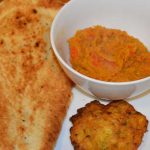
x=34 y=91
x=55 y=4
x=116 y=126
x=4 y=121
x=52 y=3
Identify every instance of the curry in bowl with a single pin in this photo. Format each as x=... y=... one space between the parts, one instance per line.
x=109 y=55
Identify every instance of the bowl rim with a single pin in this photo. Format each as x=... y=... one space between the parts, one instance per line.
x=73 y=70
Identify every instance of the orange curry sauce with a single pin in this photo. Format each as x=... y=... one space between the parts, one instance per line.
x=109 y=55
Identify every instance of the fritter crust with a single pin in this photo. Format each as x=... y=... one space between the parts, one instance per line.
x=116 y=126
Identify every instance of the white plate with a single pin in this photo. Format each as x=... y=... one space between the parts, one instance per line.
x=141 y=104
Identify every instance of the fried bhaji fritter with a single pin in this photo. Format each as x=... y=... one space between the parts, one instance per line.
x=116 y=126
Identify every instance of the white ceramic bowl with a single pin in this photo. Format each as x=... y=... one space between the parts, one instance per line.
x=130 y=15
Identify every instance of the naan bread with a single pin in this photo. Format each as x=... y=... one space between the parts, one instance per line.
x=34 y=91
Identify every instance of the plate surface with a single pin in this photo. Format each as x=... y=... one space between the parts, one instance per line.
x=80 y=98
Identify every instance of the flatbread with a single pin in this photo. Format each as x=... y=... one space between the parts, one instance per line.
x=34 y=91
